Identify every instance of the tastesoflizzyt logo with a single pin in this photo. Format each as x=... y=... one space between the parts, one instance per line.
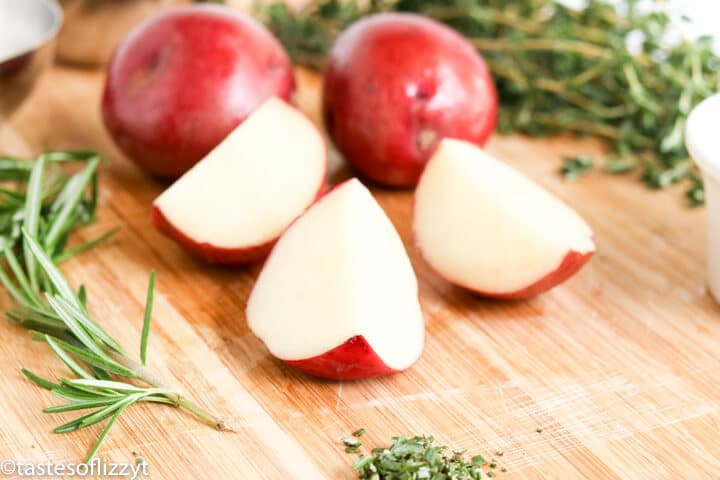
x=95 y=468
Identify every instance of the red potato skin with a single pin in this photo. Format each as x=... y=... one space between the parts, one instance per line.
x=394 y=86
x=231 y=257
x=570 y=265
x=183 y=80
x=353 y=360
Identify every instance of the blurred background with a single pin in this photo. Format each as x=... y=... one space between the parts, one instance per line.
x=91 y=29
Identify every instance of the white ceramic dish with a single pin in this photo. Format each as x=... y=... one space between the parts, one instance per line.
x=703 y=142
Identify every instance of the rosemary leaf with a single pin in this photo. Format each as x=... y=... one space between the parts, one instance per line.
x=71 y=196
x=66 y=359
x=72 y=156
x=105 y=384
x=80 y=405
x=33 y=203
x=22 y=279
x=93 y=360
x=39 y=321
x=147 y=319
x=56 y=278
x=75 y=327
x=109 y=410
x=83 y=247
x=88 y=324
x=12 y=168
x=16 y=292
x=82 y=295
x=74 y=395
x=91 y=418
x=46 y=384
x=105 y=432
x=72 y=387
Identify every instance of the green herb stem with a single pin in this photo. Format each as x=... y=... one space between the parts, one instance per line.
x=143 y=374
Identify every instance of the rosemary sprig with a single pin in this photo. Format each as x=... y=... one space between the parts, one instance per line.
x=44 y=208
x=559 y=69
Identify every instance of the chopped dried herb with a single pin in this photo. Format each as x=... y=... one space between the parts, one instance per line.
x=417 y=458
x=352 y=445
x=574 y=167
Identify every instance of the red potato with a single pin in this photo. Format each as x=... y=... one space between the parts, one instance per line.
x=484 y=226
x=232 y=206
x=338 y=298
x=183 y=80
x=395 y=85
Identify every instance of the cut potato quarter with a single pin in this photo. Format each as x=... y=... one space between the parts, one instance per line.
x=338 y=297
x=484 y=226
x=232 y=205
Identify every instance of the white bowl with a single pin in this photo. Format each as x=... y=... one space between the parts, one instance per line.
x=702 y=138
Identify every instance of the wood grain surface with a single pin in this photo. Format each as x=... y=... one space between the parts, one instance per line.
x=619 y=367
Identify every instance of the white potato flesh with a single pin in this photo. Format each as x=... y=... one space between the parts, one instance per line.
x=339 y=271
x=483 y=225
x=253 y=184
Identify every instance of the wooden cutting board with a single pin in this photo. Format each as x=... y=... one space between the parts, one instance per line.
x=620 y=367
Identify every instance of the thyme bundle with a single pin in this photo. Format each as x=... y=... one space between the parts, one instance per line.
x=36 y=219
x=593 y=71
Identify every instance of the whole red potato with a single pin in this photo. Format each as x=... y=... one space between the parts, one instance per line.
x=395 y=85
x=183 y=80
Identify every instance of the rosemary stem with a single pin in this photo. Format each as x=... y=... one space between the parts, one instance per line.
x=200 y=413
x=143 y=374
x=140 y=371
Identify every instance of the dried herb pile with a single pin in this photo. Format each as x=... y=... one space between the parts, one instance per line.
x=418 y=458
x=594 y=71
